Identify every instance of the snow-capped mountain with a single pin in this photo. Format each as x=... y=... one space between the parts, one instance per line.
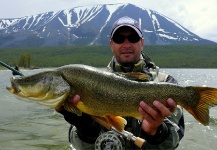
x=91 y=25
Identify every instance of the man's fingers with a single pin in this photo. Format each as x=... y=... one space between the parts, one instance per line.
x=150 y=114
x=75 y=99
x=162 y=109
x=171 y=102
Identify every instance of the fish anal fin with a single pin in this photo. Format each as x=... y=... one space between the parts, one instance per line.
x=102 y=121
x=116 y=121
x=109 y=121
x=207 y=99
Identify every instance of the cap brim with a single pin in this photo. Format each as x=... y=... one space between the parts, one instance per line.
x=126 y=25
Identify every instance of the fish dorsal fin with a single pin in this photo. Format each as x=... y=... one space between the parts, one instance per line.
x=138 y=76
x=71 y=108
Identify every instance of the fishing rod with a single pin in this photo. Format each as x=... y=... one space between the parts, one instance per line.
x=128 y=135
x=10 y=68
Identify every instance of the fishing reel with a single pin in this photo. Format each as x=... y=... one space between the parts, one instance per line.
x=110 y=140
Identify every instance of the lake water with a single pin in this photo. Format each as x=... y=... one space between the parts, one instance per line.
x=25 y=125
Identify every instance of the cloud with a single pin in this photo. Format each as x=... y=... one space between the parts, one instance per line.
x=201 y=18
x=198 y=17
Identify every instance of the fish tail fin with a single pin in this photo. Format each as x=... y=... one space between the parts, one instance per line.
x=207 y=99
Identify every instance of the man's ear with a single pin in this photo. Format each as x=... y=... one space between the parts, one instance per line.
x=111 y=43
x=143 y=42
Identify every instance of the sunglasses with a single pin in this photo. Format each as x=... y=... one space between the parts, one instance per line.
x=120 y=38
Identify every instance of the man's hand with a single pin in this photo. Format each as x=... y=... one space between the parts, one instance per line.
x=154 y=116
x=75 y=99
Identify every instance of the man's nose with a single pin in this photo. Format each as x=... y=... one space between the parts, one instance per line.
x=126 y=42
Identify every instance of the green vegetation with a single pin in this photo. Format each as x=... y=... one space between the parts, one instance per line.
x=170 y=56
x=25 y=60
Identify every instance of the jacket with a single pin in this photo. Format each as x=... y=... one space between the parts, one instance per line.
x=85 y=131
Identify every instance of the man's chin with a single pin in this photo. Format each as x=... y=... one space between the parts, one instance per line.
x=126 y=62
x=127 y=56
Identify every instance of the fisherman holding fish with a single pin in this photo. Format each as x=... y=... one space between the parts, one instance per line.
x=160 y=128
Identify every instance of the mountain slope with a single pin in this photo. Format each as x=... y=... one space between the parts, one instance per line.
x=91 y=25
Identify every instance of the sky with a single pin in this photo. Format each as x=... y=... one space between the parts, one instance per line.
x=198 y=16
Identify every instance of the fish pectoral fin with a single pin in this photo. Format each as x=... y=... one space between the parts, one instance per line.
x=135 y=76
x=116 y=121
x=71 y=108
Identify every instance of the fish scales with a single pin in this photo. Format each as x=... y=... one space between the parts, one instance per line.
x=110 y=92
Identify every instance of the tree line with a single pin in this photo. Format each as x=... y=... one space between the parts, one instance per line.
x=167 y=56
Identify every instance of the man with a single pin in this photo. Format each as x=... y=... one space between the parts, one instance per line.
x=159 y=127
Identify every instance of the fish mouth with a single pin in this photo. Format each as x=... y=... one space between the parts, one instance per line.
x=14 y=87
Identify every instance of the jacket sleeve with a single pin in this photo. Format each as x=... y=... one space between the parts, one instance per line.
x=88 y=130
x=169 y=133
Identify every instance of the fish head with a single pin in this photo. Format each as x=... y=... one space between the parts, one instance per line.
x=47 y=88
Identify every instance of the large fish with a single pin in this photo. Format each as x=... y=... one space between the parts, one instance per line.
x=108 y=95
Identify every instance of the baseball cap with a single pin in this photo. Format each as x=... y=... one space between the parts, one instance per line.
x=126 y=21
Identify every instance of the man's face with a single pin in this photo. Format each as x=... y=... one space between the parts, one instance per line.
x=127 y=52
